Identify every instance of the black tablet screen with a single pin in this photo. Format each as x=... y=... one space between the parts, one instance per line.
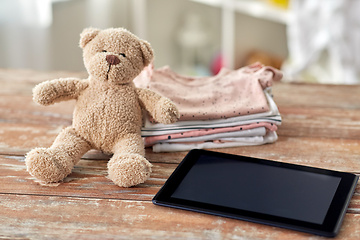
x=282 y=192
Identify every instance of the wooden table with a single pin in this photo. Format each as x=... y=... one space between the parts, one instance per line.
x=321 y=128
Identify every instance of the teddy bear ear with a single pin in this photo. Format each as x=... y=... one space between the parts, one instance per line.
x=147 y=52
x=87 y=35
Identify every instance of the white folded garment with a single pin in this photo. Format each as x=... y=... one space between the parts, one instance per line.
x=256 y=139
x=270 y=137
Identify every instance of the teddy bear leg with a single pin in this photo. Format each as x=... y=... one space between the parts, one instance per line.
x=55 y=163
x=128 y=166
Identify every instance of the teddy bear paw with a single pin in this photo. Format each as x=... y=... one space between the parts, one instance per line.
x=47 y=166
x=128 y=170
x=167 y=112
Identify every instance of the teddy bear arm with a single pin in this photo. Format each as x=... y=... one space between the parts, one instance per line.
x=162 y=109
x=57 y=90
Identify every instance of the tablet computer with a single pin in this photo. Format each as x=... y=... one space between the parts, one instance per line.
x=284 y=195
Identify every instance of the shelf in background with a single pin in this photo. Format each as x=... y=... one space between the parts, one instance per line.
x=254 y=8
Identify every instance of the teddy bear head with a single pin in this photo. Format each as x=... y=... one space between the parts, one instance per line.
x=114 y=55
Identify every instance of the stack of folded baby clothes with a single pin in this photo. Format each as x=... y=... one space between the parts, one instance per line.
x=233 y=108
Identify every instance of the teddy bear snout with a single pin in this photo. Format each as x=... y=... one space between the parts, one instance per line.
x=112 y=59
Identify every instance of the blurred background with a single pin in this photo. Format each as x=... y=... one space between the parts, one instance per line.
x=310 y=40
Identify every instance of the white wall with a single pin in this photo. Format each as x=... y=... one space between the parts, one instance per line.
x=55 y=47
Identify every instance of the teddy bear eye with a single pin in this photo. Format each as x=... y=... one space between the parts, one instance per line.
x=122 y=54
x=103 y=51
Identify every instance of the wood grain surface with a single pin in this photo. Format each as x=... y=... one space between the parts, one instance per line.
x=321 y=128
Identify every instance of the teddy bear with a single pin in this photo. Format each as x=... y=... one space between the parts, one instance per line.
x=108 y=112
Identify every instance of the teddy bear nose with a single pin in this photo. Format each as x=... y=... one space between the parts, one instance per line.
x=113 y=60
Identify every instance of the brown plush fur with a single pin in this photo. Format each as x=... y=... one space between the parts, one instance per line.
x=108 y=114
